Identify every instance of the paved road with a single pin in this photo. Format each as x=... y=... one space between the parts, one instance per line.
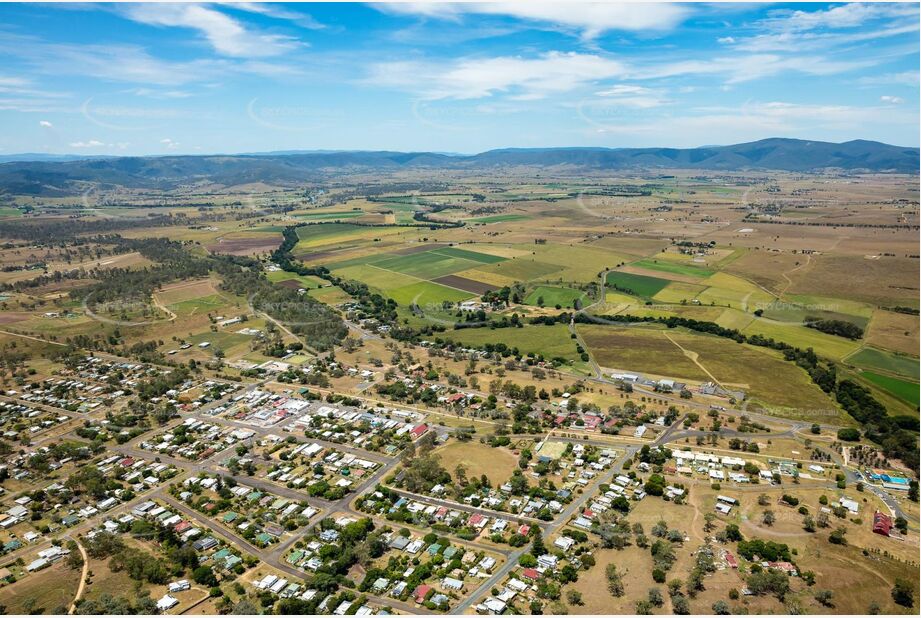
x=549 y=529
x=275 y=554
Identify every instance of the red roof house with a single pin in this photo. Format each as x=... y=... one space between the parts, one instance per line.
x=530 y=574
x=524 y=529
x=182 y=527
x=731 y=561
x=476 y=520
x=882 y=524
x=418 y=430
x=420 y=592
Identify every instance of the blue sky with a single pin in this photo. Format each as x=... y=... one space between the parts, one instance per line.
x=245 y=77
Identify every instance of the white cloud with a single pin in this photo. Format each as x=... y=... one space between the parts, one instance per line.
x=169 y=143
x=627 y=95
x=591 y=19
x=277 y=12
x=226 y=35
x=743 y=68
x=520 y=78
x=798 y=31
x=806 y=41
x=45 y=123
x=890 y=99
x=907 y=78
x=160 y=94
x=849 y=15
x=127 y=63
x=93 y=143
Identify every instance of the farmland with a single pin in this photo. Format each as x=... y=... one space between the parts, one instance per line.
x=471 y=322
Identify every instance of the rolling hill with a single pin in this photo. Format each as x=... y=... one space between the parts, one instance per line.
x=50 y=177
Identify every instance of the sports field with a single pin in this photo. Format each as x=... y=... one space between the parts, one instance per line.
x=426 y=292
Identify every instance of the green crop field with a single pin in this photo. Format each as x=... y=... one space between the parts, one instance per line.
x=551 y=296
x=476 y=256
x=426 y=265
x=641 y=285
x=426 y=292
x=375 y=277
x=346 y=214
x=522 y=269
x=326 y=230
x=688 y=270
x=902 y=389
x=497 y=218
x=871 y=358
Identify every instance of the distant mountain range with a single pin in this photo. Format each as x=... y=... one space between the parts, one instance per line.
x=56 y=175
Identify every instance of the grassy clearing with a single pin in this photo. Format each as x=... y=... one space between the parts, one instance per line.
x=872 y=358
x=306 y=281
x=733 y=318
x=645 y=350
x=783 y=312
x=676 y=291
x=894 y=331
x=45 y=592
x=640 y=285
x=330 y=295
x=551 y=341
x=478 y=459
x=223 y=340
x=202 y=305
x=768 y=380
x=828 y=346
x=551 y=297
x=726 y=289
